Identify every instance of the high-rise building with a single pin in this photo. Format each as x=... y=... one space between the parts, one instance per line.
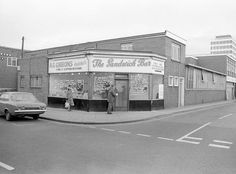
x=224 y=44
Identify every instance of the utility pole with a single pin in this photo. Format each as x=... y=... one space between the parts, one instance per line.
x=22 y=47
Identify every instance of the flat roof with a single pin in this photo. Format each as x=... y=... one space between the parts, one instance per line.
x=107 y=52
x=165 y=33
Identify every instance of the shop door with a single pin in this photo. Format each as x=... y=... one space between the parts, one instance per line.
x=121 y=103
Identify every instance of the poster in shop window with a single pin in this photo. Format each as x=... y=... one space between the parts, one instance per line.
x=139 y=84
x=58 y=87
x=139 y=87
x=101 y=84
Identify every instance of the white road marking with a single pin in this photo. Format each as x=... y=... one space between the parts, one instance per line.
x=186 y=141
x=124 y=132
x=225 y=116
x=181 y=139
x=111 y=130
x=219 y=146
x=224 y=142
x=163 y=138
x=194 y=138
x=143 y=135
x=6 y=166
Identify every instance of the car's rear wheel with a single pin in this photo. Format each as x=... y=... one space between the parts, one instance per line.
x=36 y=117
x=8 y=116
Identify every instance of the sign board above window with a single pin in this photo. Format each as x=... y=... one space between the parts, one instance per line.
x=126 y=65
x=123 y=64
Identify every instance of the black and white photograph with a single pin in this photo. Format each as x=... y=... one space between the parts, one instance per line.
x=117 y=87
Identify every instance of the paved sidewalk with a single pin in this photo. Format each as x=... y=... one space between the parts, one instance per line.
x=83 y=117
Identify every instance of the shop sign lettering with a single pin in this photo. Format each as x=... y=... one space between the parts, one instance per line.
x=111 y=62
x=127 y=65
x=68 y=65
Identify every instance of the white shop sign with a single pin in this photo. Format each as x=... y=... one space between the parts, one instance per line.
x=230 y=79
x=130 y=65
x=75 y=64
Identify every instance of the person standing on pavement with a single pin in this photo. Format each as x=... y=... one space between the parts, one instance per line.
x=111 y=98
x=69 y=98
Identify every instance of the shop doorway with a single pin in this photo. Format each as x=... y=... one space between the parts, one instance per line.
x=181 y=92
x=121 y=103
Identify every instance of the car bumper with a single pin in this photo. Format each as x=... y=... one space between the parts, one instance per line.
x=29 y=112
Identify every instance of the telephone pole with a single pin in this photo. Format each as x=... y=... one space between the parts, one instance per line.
x=22 y=47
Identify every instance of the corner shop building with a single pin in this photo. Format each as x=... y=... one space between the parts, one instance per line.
x=138 y=77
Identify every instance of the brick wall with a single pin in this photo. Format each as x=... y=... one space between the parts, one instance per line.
x=8 y=74
x=203 y=96
x=35 y=66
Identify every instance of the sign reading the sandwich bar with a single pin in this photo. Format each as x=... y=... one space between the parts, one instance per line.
x=128 y=65
x=62 y=65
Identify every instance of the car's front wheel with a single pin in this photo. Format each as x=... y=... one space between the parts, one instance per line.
x=8 y=116
x=36 y=117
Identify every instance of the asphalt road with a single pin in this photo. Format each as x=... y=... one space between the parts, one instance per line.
x=200 y=142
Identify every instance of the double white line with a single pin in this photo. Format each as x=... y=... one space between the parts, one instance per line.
x=220 y=144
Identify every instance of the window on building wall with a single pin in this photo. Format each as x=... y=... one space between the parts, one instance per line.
x=176 y=81
x=12 y=61
x=126 y=46
x=36 y=81
x=213 y=78
x=175 y=52
x=9 y=61
x=189 y=76
x=212 y=81
x=170 y=80
x=203 y=76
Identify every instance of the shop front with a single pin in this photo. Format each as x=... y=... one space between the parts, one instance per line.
x=137 y=77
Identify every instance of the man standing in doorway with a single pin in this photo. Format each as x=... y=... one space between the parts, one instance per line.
x=111 y=98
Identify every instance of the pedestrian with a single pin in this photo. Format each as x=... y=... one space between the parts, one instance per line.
x=69 y=98
x=111 y=98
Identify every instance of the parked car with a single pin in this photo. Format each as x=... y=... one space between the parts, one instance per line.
x=20 y=104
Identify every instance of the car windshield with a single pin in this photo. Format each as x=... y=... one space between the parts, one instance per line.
x=23 y=97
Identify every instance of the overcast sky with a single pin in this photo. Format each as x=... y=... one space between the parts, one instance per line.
x=51 y=23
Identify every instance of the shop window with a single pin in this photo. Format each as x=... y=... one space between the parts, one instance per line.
x=139 y=87
x=58 y=84
x=170 y=80
x=101 y=83
x=175 y=52
x=157 y=87
x=36 y=81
